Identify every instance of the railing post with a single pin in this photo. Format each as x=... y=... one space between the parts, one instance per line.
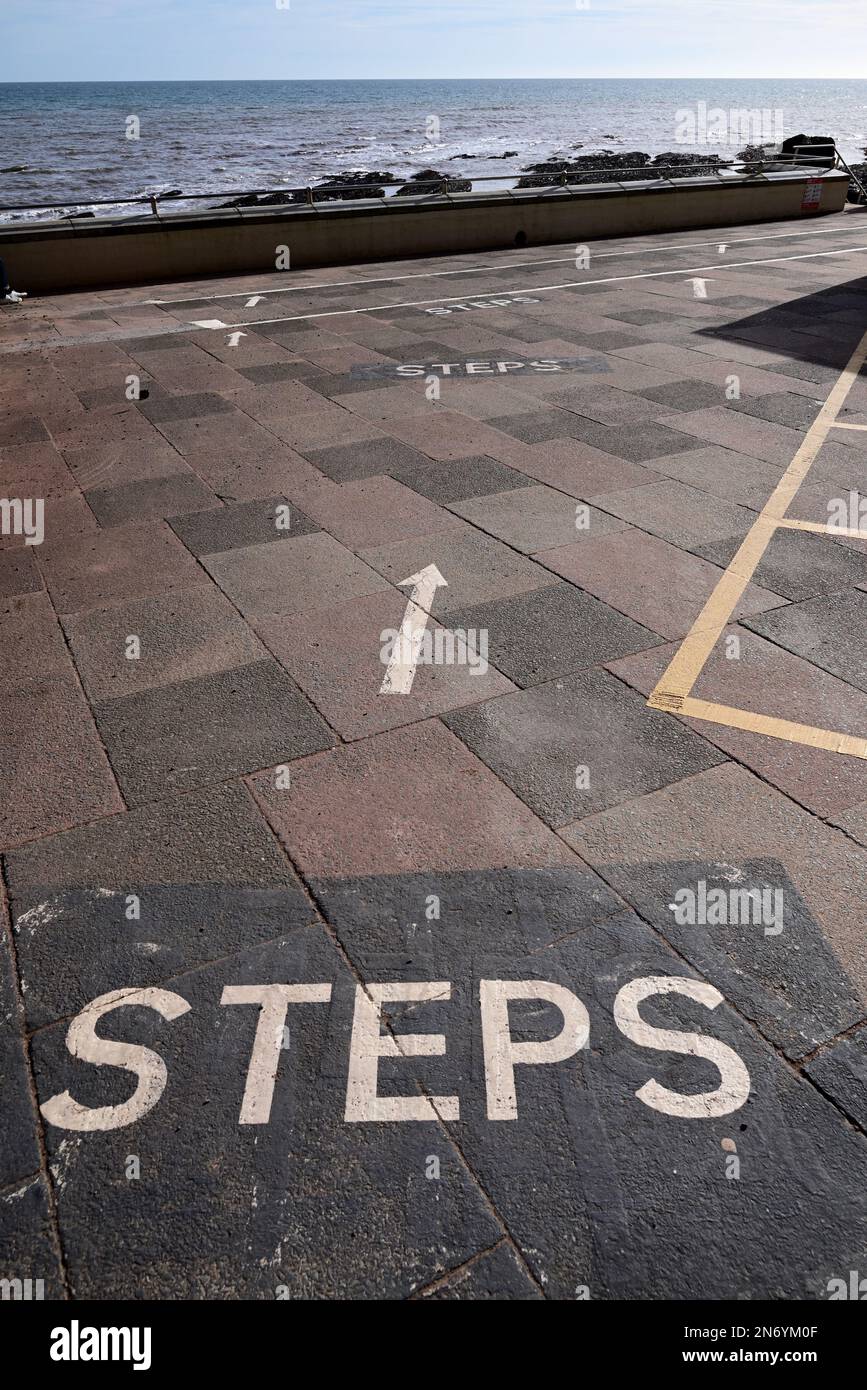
x=154 y=208
x=308 y=196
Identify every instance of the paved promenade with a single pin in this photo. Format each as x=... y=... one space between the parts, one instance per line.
x=434 y=777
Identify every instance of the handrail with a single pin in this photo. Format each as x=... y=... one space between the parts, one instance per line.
x=559 y=178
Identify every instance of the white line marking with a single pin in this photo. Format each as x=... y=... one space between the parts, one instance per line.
x=543 y=289
x=486 y=269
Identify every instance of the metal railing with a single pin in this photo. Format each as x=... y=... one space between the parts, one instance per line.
x=526 y=181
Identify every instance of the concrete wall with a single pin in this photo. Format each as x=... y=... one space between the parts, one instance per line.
x=68 y=255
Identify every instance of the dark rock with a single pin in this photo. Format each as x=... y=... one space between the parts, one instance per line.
x=610 y=167
x=361 y=183
x=430 y=181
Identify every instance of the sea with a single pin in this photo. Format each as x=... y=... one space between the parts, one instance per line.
x=66 y=143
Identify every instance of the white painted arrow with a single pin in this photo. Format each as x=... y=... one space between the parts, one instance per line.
x=251 y=303
x=722 y=250
x=400 y=672
x=234 y=339
x=209 y=323
x=699 y=287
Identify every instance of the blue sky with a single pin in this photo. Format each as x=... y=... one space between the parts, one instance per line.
x=115 y=40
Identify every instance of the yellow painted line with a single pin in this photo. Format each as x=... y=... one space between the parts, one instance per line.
x=674 y=687
x=814 y=737
x=824 y=528
x=840 y=426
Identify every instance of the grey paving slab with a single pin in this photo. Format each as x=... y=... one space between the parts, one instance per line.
x=548 y=632
x=685 y=395
x=496 y=1274
x=179 y=637
x=724 y=828
x=346 y=462
x=476 y=567
x=536 y=427
x=797 y=564
x=825 y=631
x=150 y=497
x=27 y=1241
x=453 y=480
x=553 y=745
x=607 y=405
x=685 y=516
x=649 y=441
x=788 y=408
x=194 y=732
x=160 y=405
x=304 y=574
x=208 y=877
x=841 y=1072
x=241 y=524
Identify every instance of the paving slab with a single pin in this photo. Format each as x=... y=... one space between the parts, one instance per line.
x=497 y=1274
x=625 y=1223
x=193 y=732
x=114 y=566
x=686 y=516
x=581 y=470
x=759 y=676
x=74 y=898
x=150 y=497
x=725 y=827
x=552 y=745
x=797 y=564
x=365 y=459
x=476 y=567
x=27 y=1239
x=340 y=665
x=179 y=637
x=548 y=632
x=654 y=583
x=18 y=573
x=241 y=524
x=456 y=479
x=278 y=1235
x=388 y=804
x=534 y=518
x=822 y=632
x=841 y=1073
x=305 y=574
x=19 y=1155
x=378 y=509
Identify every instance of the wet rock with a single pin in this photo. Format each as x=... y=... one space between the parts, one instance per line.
x=430 y=181
x=610 y=167
x=360 y=183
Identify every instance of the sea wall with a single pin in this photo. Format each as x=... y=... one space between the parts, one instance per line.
x=72 y=254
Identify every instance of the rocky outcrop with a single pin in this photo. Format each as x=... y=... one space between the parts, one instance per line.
x=610 y=167
x=429 y=181
x=359 y=184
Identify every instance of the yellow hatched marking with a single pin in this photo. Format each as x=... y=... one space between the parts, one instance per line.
x=672 y=691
